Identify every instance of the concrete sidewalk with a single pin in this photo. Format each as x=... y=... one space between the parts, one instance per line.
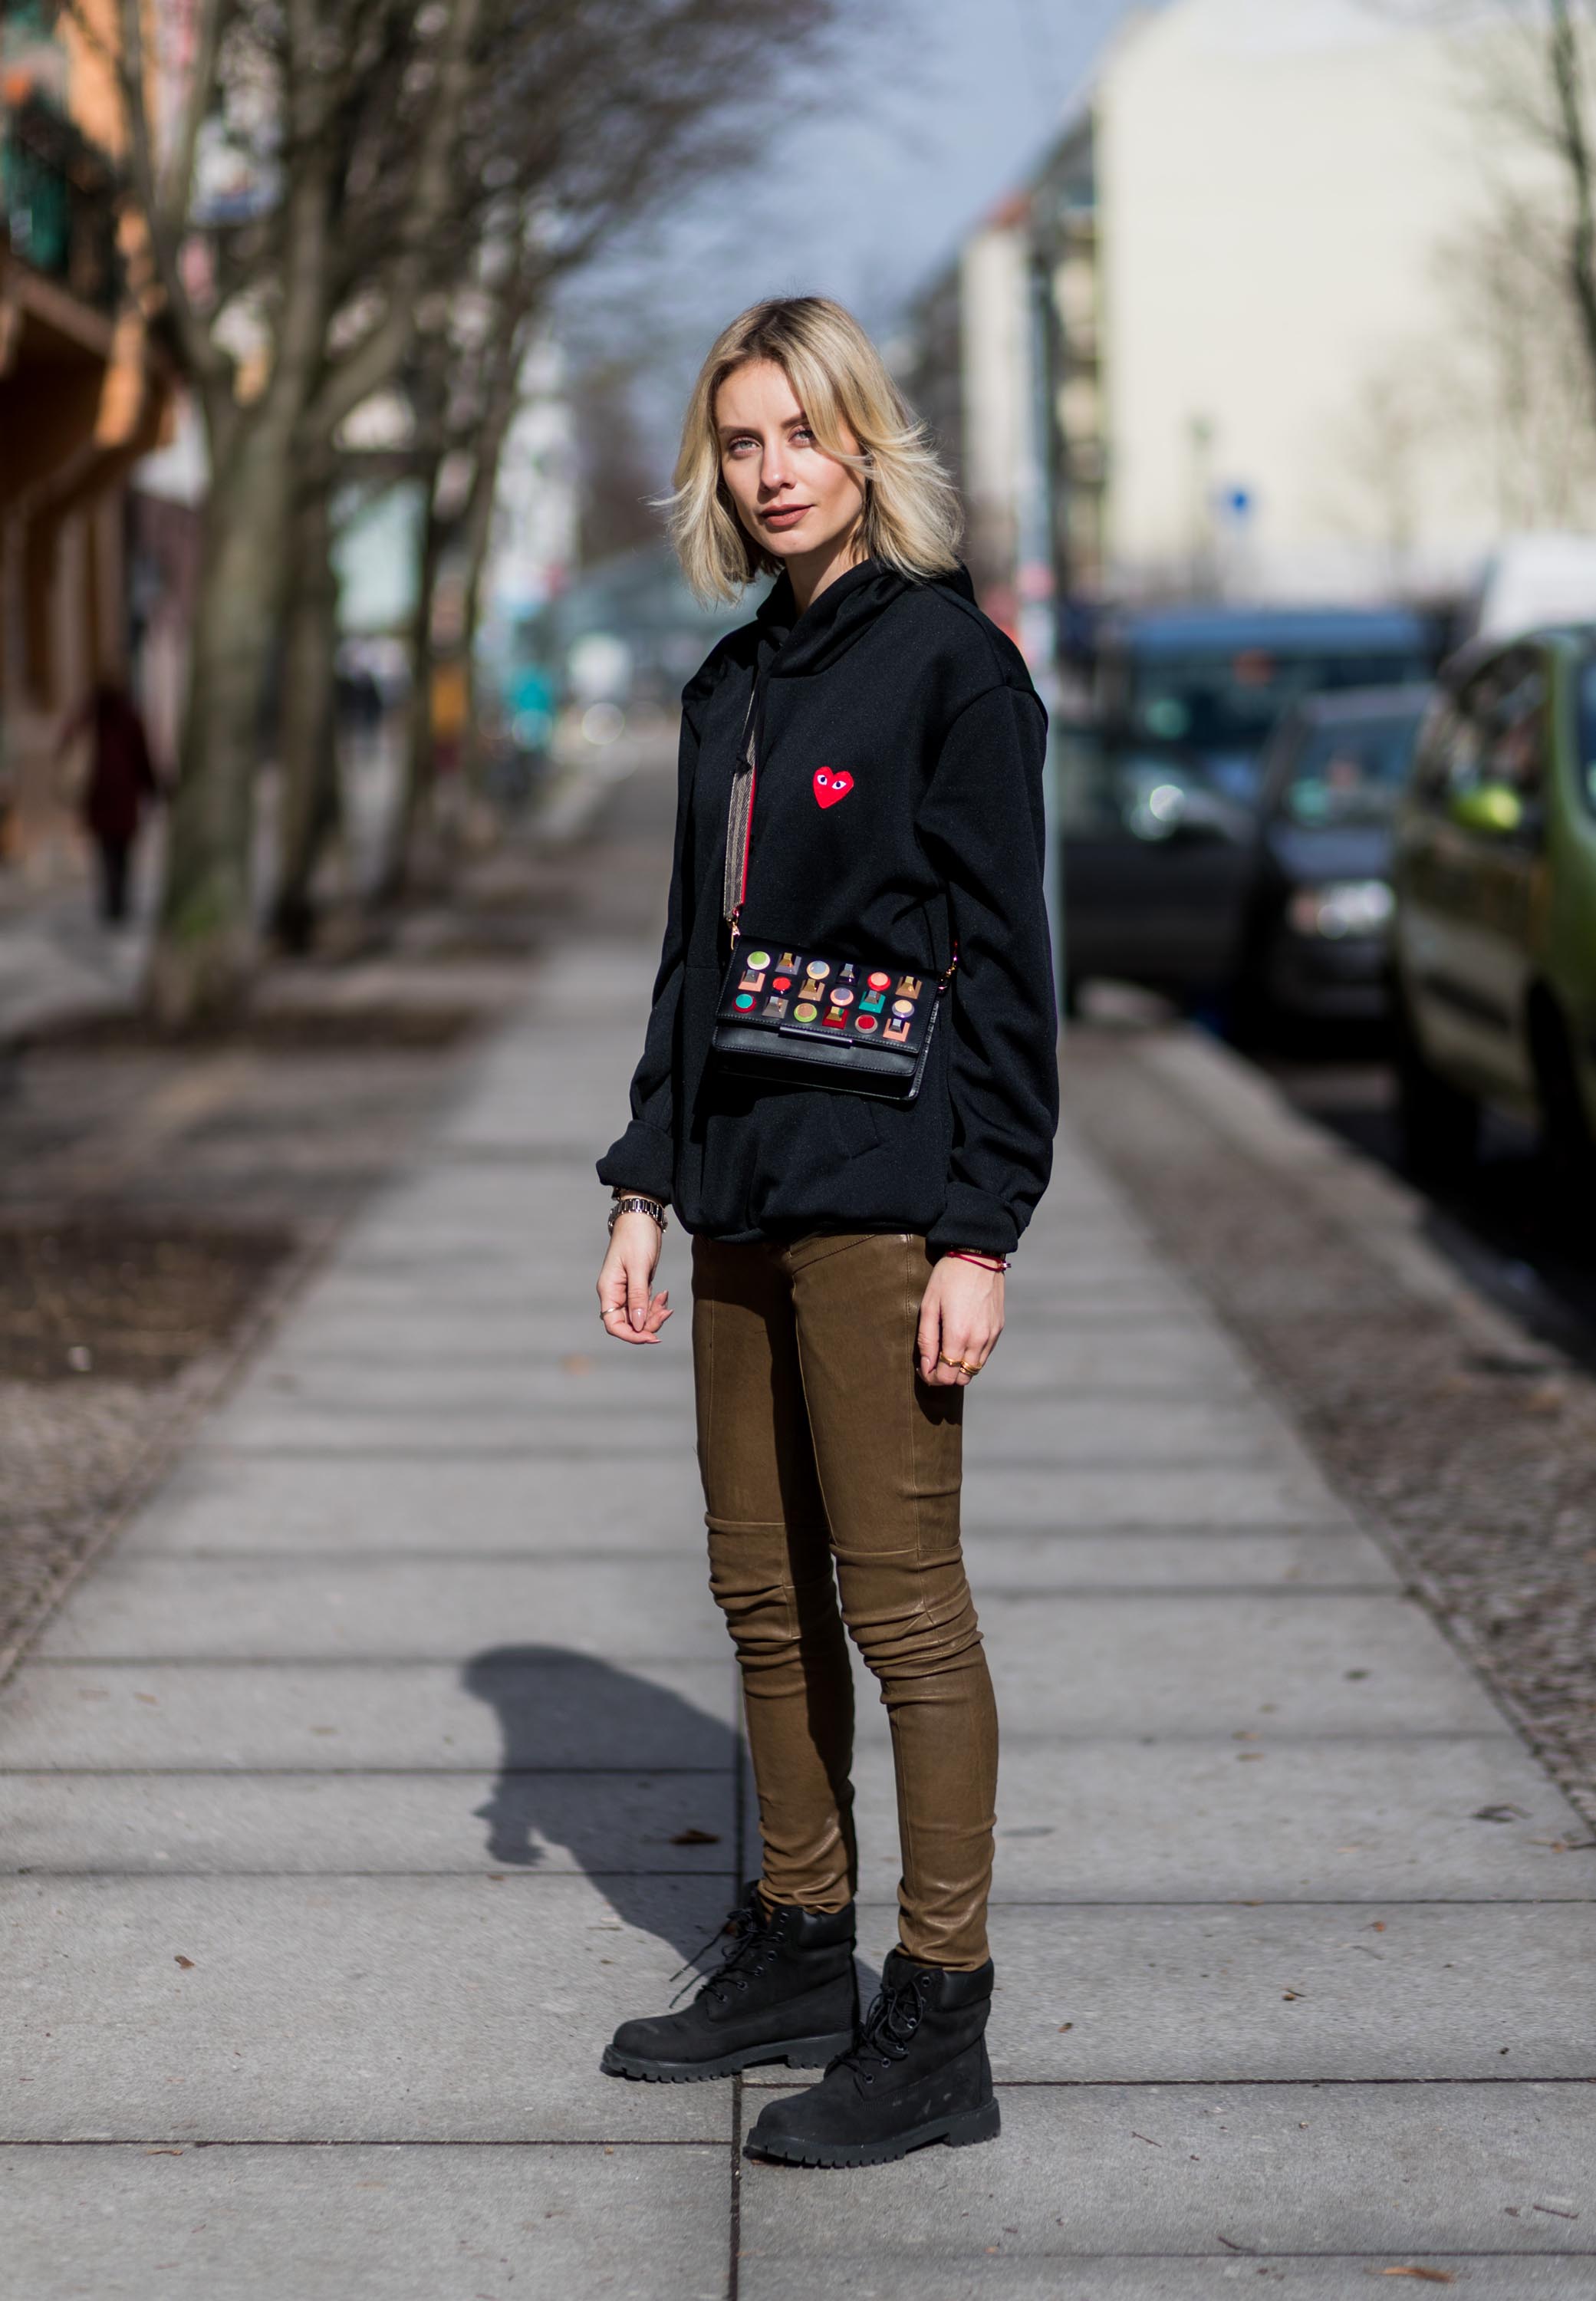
x=393 y=1757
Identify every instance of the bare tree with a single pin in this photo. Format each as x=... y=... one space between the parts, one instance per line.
x=385 y=149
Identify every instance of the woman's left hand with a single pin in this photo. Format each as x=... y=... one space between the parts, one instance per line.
x=961 y=1317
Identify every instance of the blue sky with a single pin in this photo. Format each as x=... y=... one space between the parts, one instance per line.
x=929 y=112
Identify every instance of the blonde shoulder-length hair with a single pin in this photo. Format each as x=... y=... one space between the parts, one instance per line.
x=911 y=518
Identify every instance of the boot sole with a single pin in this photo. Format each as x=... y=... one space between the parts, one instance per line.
x=798 y=2053
x=961 y=2132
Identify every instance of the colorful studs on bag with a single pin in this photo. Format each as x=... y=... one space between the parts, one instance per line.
x=776 y=1009
x=789 y=962
x=910 y=987
x=804 y=1013
x=811 y=987
x=863 y=1024
x=841 y=997
x=903 y=1006
x=744 y=1000
x=819 y=968
x=756 y=961
x=898 y=1028
x=752 y=982
x=871 y=1002
x=879 y=981
x=835 y=1018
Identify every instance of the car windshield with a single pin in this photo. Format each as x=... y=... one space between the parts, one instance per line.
x=1351 y=773
x=1226 y=705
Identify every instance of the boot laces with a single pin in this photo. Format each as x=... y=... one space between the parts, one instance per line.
x=888 y=2029
x=749 y=1929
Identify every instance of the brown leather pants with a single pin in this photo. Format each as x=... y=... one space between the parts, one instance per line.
x=822 y=1449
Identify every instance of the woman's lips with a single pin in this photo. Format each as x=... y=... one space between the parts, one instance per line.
x=786 y=515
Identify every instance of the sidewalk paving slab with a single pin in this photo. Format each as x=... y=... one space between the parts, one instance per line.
x=366 y=2224
x=1377 y=2174
x=342 y=2009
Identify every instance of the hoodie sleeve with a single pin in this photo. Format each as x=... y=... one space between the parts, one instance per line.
x=982 y=822
x=644 y=1158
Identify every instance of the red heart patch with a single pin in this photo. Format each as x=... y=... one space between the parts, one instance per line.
x=831 y=784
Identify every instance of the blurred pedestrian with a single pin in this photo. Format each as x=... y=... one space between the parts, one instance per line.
x=858 y=870
x=117 y=782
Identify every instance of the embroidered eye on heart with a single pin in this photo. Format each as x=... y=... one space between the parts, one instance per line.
x=831 y=784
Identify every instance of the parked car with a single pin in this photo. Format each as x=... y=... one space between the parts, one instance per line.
x=1159 y=793
x=1494 y=875
x=1315 y=944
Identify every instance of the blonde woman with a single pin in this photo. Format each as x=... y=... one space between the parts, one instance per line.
x=859 y=820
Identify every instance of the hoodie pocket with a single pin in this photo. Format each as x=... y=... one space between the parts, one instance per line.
x=856 y=1125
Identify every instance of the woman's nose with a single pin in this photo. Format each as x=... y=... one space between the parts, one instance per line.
x=772 y=471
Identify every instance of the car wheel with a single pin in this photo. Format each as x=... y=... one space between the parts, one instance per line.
x=1438 y=1124
x=1567 y=1145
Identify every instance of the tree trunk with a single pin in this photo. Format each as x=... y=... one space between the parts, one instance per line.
x=204 y=948
x=308 y=739
x=412 y=815
x=502 y=404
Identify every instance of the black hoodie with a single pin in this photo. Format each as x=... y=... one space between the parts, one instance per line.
x=908 y=689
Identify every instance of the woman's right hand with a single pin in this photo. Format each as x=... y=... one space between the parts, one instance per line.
x=630 y=1313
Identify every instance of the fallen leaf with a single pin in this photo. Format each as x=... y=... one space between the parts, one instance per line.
x=577 y=1362
x=1290 y=1996
x=1377 y=1924
x=1499 y=1813
x=153 y=1700
x=1430 y=2276
x=185 y=1962
x=162 y=2153
x=695 y=1837
x=1063 y=2026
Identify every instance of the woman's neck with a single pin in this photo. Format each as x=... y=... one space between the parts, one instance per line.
x=811 y=573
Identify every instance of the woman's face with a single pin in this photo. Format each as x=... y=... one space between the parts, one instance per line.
x=794 y=500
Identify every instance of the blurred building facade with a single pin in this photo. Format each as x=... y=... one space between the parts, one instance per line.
x=84 y=393
x=1247 y=298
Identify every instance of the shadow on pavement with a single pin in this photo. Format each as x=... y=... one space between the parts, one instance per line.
x=557 y=1709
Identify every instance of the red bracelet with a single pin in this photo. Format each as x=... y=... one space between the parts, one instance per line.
x=997 y=1264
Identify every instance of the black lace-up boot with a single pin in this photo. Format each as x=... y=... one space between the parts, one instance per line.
x=918 y=2073
x=786 y=1990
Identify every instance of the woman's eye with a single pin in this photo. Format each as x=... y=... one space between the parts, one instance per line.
x=803 y=434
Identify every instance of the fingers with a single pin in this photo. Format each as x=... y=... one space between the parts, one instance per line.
x=928 y=1341
x=617 y=1319
x=630 y=1313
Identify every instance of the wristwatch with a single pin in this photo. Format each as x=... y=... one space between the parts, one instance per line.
x=637 y=1203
